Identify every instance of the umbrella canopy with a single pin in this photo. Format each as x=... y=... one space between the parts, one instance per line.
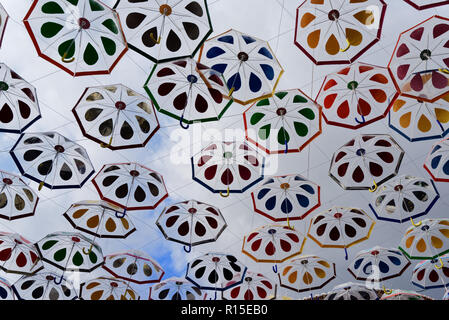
x=52 y=160
x=175 y=289
x=403 y=198
x=228 y=167
x=307 y=273
x=246 y=62
x=357 y=95
x=130 y=186
x=3 y=22
x=191 y=223
x=418 y=120
x=366 y=162
x=188 y=91
x=404 y=295
x=99 y=219
x=18 y=255
x=165 y=31
x=18 y=98
x=431 y=274
x=103 y=288
x=41 y=286
x=338 y=32
x=419 y=63
x=351 y=291
x=81 y=37
x=437 y=162
x=6 y=292
x=284 y=198
x=255 y=286
x=134 y=266
x=285 y=123
x=426 y=4
x=17 y=199
x=116 y=116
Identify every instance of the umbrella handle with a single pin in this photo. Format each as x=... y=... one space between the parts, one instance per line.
x=181 y=123
x=189 y=248
x=375 y=187
x=444 y=70
x=41 y=184
x=231 y=92
x=346 y=254
x=347 y=48
x=104 y=145
x=415 y=224
x=120 y=216
x=275 y=268
x=88 y=251
x=360 y=122
x=154 y=39
x=286 y=146
x=65 y=60
x=440 y=265
x=60 y=280
x=225 y=195
x=386 y=291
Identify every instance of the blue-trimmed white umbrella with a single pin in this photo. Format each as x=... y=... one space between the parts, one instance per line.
x=431 y=274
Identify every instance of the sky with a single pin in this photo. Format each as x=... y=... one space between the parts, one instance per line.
x=169 y=151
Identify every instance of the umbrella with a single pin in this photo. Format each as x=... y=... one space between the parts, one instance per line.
x=357 y=95
x=164 y=31
x=18 y=101
x=133 y=266
x=99 y=219
x=273 y=244
x=116 y=116
x=285 y=123
x=175 y=289
x=366 y=162
x=227 y=167
x=247 y=63
x=338 y=32
x=431 y=274
x=426 y=4
x=41 y=286
x=130 y=186
x=340 y=227
x=103 y=288
x=17 y=199
x=52 y=160
x=404 y=198
x=255 y=286
x=404 y=295
x=351 y=291
x=437 y=162
x=191 y=223
x=418 y=120
x=284 y=198
x=17 y=255
x=188 y=91
x=82 y=37
x=307 y=273
x=419 y=64
x=6 y=292
x=3 y=22
x=426 y=240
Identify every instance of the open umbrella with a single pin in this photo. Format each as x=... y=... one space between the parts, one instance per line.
x=285 y=123
x=6 y=292
x=165 y=30
x=247 y=63
x=82 y=37
x=3 y=22
x=437 y=162
x=103 y=288
x=255 y=286
x=351 y=291
x=426 y=4
x=175 y=289
x=431 y=274
x=116 y=116
x=18 y=101
x=18 y=255
x=41 y=286
x=52 y=160
x=399 y=294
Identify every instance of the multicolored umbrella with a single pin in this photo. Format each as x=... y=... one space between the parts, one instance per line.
x=52 y=160
x=134 y=266
x=188 y=91
x=191 y=223
x=130 y=186
x=228 y=167
x=366 y=162
x=175 y=289
x=116 y=116
x=18 y=255
x=340 y=227
x=426 y=240
x=103 y=288
x=431 y=274
x=255 y=286
x=378 y=264
x=419 y=64
x=426 y=4
x=338 y=32
x=285 y=123
x=404 y=295
x=404 y=198
x=18 y=98
x=82 y=37
x=284 y=198
x=17 y=199
x=3 y=22
x=165 y=31
x=273 y=244
x=307 y=273
x=351 y=291
x=357 y=95
x=418 y=120
x=99 y=219
x=437 y=162
x=42 y=286
x=6 y=292
x=246 y=62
